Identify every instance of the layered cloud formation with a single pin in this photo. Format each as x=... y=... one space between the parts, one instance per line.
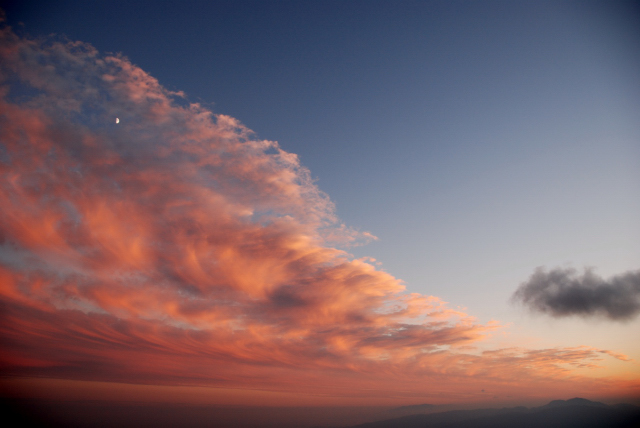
x=174 y=247
x=562 y=292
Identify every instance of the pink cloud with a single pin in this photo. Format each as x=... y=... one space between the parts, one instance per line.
x=176 y=248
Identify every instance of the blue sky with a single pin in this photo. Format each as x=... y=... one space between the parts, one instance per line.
x=476 y=140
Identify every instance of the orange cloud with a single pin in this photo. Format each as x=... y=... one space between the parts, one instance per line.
x=173 y=247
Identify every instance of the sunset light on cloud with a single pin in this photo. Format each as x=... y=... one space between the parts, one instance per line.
x=148 y=242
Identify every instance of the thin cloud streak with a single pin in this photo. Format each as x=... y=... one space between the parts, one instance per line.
x=176 y=248
x=562 y=293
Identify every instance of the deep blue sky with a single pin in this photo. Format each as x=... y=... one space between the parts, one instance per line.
x=477 y=140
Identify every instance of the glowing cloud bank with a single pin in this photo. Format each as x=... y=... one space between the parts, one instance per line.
x=173 y=247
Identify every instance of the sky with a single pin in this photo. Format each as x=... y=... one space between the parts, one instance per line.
x=320 y=203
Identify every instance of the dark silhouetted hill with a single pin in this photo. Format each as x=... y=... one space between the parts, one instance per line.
x=573 y=402
x=415 y=409
x=574 y=413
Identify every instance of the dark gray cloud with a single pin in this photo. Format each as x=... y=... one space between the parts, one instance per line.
x=563 y=292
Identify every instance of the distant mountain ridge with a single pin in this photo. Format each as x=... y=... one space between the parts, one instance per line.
x=573 y=413
x=397 y=412
x=573 y=402
x=418 y=407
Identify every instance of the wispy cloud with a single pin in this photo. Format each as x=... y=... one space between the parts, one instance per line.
x=175 y=247
x=562 y=292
